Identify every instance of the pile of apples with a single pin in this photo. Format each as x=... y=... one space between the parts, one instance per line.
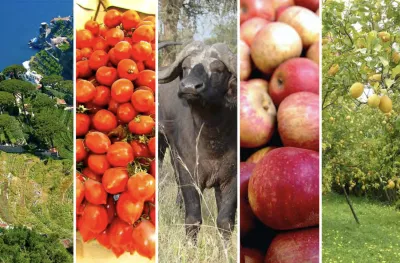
x=279 y=130
x=115 y=130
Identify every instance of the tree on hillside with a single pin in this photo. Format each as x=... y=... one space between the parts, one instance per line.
x=46 y=125
x=360 y=138
x=51 y=81
x=10 y=130
x=6 y=100
x=40 y=101
x=14 y=71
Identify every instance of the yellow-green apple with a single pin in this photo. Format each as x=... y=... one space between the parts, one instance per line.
x=298 y=120
x=245 y=61
x=259 y=82
x=313 y=52
x=283 y=189
x=257 y=115
x=250 y=28
x=294 y=246
x=293 y=75
x=258 y=155
x=273 y=44
x=256 y=8
x=247 y=218
x=313 y=5
x=306 y=23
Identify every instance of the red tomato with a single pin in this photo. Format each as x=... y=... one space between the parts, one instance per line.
x=147 y=78
x=128 y=209
x=82 y=124
x=141 y=51
x=102 y=96
x=97 y=142
x=79 y=193
x=86 y=53
x=84 y=38
x=90 y=174
x=141 y=186
x=100 y=43
x=104 y=121
x=152 y=214
x=123 y=50
x=140 y=149
x=144 y=238
x=85 y=91
x=143 y=33
x=78 y=55
x=120 y=233
x=113 y=58
x=127 y=69
x=86 y=233
x=122 y=90
x=93 y=27
x=113 y=36
x=140 y=66
x=152 y=146
x=110 y=206
x=115 y=180
x=130 y=19
x=99 y=58
x=143 y=100
x=81 y=152
x=103 y=30
x=150 y=63
x=98 y=163
x=153 y=168
x=141 y=125
x=104 y=239
x=95 y=193
x=106 y=75
x=95 y=218
x=113 y=106
x=112 y=18
x=83 y=70
x=120 y=154
x=126 y=112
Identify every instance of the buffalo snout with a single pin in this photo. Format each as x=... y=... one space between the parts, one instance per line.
x=191 y=86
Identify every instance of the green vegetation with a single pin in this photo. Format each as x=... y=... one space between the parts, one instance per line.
x=21 y=245
x=173 y=243
x=14 y=71
x=376 y=239
x=45 y=64
x=61 y=28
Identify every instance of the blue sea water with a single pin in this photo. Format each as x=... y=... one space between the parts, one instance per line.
x=20 y=21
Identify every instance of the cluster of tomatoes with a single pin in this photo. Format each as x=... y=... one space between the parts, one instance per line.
x=115 y=128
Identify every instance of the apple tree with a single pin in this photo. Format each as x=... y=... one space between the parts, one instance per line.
x=361 y=97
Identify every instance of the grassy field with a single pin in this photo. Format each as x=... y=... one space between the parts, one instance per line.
x=173 y=246
x=376 y=239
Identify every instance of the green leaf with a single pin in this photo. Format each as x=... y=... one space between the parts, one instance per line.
x=389 y=83
x=378 y=48
x=384 y=61
x=395 y=71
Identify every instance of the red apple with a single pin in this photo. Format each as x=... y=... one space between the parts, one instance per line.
x=284 y=188
x=305 y=22
x=279 y=11
x=258 y=155
x=252 y=255
x=257 y=116
x=250 y=28
x=256 y=8
x=275 y=43
x=247 y=218
x=298 y=120
x=279 y=3
x=295 y=246
x=294 y=75
x=313 y=5
x=245 y=61
x=313 y=52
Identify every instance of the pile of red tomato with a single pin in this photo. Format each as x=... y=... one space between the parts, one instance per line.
x=115 y=129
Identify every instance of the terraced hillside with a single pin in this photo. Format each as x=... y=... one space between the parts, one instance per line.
x=36 y=193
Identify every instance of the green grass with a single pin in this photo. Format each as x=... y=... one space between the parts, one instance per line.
x=173 y=245
x=376 y=239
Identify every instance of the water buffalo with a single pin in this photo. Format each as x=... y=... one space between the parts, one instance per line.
x=198 y=122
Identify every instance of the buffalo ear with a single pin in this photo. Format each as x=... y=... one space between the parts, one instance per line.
x=231 y=93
